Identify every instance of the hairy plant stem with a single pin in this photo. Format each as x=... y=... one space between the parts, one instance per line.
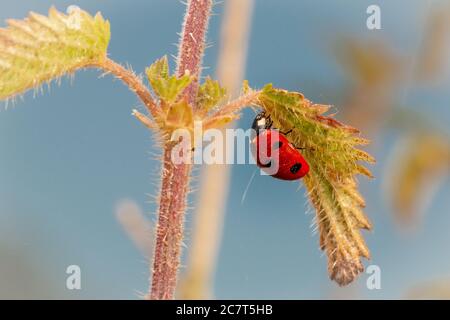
x=192 y=43
x=175 y=177
x=237 y=104
x=169 y=234
x=132 y=81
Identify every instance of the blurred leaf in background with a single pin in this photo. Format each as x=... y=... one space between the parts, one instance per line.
x=22 y=278
x=434 y=50
x=437 y=289
x=136 y=225
x=375 y=71
x=421 y=161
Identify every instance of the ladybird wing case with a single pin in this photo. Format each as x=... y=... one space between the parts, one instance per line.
x=274 y=151
x=292 y=164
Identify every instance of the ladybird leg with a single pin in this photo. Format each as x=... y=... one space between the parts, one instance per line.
x=304 y=148
x=287 y=132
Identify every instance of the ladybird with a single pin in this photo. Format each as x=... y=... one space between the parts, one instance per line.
x=276 y=151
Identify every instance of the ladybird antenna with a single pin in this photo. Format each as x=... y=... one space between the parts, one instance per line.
x=244 y=195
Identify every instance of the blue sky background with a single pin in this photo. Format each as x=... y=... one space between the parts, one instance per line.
x=68 y=156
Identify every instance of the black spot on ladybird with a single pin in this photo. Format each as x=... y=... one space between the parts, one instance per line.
x=295 y=168
x=277 y=145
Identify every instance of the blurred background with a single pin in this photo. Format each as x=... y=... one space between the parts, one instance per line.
x=78 y=172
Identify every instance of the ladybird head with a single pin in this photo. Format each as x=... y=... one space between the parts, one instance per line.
x=262 y=121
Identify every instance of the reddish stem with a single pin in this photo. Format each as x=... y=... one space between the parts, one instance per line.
x=169 y=234
x=192 y=43
x=175 y=177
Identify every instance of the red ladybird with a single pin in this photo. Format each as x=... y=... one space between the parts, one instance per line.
x=274 y=153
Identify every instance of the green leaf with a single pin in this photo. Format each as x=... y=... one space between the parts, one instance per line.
x=168 y=88
x=339 y=217
x=159 y=69
x=210 y=94
x=330 y=150
x=39 y=48
x=333 y=142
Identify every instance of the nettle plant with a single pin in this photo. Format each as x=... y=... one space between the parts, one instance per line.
x=39 y=49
